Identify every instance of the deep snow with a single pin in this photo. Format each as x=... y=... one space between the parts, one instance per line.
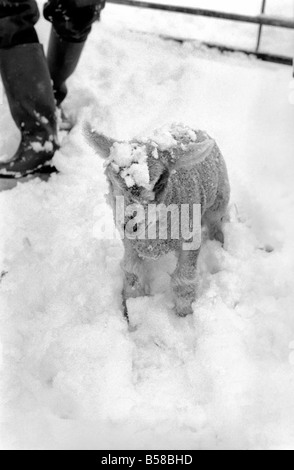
x=72 y=374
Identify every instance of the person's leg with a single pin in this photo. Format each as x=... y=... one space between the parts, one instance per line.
x=72 y=21
x=17 y=20
x=27 y=82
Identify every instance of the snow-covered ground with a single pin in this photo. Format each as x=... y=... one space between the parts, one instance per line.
x=73 y=375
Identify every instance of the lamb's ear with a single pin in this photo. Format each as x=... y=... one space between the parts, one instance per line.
x=196 y=153
x=98 y=142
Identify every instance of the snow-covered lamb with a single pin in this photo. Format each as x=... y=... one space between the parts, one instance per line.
x=176 y=166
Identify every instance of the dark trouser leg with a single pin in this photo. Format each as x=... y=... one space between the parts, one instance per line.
x=72 y=21
x=27 y=83
x=17 y=20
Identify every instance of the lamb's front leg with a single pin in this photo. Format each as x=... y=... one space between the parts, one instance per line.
x=184 y=282
x=132 y=267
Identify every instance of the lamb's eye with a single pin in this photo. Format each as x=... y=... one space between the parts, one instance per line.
x=161 y=183
x=136 y=191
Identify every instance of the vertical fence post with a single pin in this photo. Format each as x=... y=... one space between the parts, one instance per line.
x=263 y=7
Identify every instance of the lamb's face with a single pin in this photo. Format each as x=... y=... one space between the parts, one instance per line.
x=137 y=186
x=158 y=173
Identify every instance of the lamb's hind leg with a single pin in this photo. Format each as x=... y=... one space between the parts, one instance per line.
x=184 y=282
x=132 y=267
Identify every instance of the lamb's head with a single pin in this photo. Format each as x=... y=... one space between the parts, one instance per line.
x=140 y=170
x=135 y=169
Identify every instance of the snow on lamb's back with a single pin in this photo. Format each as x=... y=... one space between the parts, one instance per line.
x=170 y=136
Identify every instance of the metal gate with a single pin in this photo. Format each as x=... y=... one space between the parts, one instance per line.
x=262 y=20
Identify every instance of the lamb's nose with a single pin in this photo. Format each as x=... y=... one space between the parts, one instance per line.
x=134 y=229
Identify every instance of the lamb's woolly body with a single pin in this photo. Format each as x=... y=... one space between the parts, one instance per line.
x=206 y=183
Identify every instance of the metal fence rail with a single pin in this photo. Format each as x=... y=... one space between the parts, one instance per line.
x=261 y=20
